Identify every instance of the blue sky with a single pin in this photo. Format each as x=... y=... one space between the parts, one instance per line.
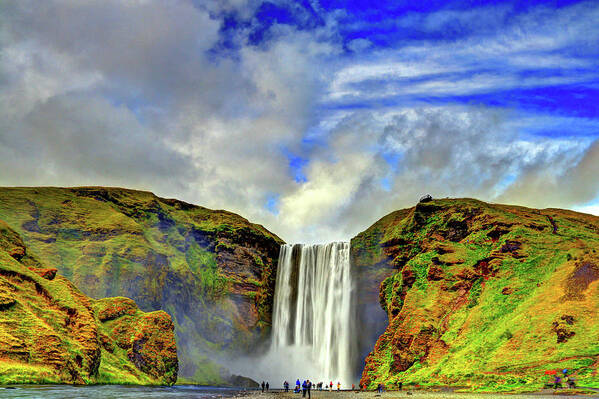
x=314 y=118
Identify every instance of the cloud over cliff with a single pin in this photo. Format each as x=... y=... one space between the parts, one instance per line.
x=310 y=119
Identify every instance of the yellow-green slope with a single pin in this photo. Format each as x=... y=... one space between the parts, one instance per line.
x=51 y=333
x=483 y=295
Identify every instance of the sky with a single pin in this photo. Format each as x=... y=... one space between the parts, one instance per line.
x=313 y=118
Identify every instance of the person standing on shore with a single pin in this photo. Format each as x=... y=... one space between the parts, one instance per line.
x=331 y=386
x=338 y=386
x=267 y=386
x=262 y=386
x=557 y=383
x=297 y=385
x=304 y=388
x=309 y=388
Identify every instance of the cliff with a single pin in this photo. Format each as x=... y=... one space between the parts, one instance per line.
x=51 y=333
x=481 y=295
x=212 y=271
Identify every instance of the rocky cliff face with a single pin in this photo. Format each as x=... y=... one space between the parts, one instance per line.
x=482 y=295
x=212 y=271
x=52 y=333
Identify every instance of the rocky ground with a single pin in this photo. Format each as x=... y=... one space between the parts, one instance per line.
x=436 y=394
x=421 y=395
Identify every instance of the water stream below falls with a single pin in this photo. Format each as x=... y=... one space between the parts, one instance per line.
x=313 y=315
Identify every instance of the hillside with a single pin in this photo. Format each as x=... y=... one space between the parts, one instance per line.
x=482 y=295
x=51 y=333
x=212 y=271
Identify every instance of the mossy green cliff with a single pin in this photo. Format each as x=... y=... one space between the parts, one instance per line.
x=212 y=271
x=52 y=333
x=481 y=295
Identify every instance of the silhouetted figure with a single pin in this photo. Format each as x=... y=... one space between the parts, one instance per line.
x=267 y=386
x=399 y=385
x=263 y=386
x=309 y=388
x=286 y=386
x=557 y=383
x=304 y=388
x=379 y=388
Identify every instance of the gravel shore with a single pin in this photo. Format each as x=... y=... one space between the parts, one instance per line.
x=405 y=394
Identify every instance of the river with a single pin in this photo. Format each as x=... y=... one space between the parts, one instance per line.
x=116 y=392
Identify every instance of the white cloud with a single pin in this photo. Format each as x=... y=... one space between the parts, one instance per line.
x=130 y=94
x=591 y=209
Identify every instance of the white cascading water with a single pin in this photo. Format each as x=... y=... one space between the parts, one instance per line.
x=313 y=312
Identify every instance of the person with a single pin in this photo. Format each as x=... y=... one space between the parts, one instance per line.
x=262 y=386
x=353 y=387
x=286 y=385
x=304 y=388
x=557 y=382
x=571 y=382
x=309 y=388
x=266 y=386
x=297 y=385
x=331 y=386
x=338 y=386
x=399 y=385
x=379 y=388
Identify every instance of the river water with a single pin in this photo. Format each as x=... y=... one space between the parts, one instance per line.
x=116 y=392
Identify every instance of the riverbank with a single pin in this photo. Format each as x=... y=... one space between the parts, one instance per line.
x=421 y=394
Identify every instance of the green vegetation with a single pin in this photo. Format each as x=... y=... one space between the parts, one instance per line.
x=212 y=271
x=485 y=296
x=51 y=333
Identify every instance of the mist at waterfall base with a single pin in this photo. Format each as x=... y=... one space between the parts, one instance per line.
x=313 y=331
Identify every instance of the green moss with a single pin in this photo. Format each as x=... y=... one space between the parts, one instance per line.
x=488 y=323
x=165 y=254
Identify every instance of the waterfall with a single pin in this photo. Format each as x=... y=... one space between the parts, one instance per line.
x=313 y=312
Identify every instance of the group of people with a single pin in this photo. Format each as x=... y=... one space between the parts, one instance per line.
x=568 y=379
x=307 y=386
x=265 y=386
